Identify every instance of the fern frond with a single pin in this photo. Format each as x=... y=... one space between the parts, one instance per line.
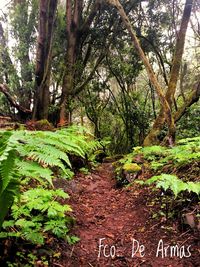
x=7 y=167
x=172 y=182
x=34 y=170
x=7 y=198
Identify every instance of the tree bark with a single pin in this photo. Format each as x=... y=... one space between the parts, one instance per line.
x=151 y=138
x=179 y=50
x=44 y=58
x=193 y=98
x=73 y=20
x=77 y=30
x=163 y=101
x=5 y=90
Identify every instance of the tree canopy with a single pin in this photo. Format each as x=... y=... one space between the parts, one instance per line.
x=84 y=61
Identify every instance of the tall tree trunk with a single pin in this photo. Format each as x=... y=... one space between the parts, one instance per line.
x=77 y=30
x=163 y=101
x=44 y=58
x=73 y=19
x=151 y=138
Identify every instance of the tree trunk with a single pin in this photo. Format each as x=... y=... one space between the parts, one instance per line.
x=193 y=98
x=77 y=30
x=73 y=19
x=22 y=110
x=151 y=138
x=163 y=101
x=44 y=58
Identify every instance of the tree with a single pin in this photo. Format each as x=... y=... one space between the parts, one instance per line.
x=47 y=10
x=77 y=29
x=23 y=31
x=15 y=62
x=165 y=100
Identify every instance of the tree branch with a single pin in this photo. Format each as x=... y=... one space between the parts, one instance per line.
x=193 y=98
x=4 y=89
x=91 y=16
x=82 y=86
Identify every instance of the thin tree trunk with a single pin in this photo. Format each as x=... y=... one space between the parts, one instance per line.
x=179 y=50
x=153 y=100
x=151 y=138
x=193 y=98
x=182 y=76
x=73 y=19
x=163 y=101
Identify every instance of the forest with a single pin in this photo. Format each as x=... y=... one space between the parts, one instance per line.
x=100 y=133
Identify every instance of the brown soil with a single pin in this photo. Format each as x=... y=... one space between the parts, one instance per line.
x=120 y=216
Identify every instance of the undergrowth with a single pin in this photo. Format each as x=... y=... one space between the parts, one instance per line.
x=31 y=209
x=174 y=171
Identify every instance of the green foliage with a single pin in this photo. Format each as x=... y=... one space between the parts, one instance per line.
x=189 y=124
x=28 y=163
x=36 y=213
x=33 y=155
x=186 y=151
x=124 y=121
x=174 y=170
x=172 y=182
x=8 y=177
x=84 y=171
x=156 y=158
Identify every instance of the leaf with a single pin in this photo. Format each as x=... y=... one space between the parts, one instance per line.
x=6 y=169
x=193 y=187
x=7 y=198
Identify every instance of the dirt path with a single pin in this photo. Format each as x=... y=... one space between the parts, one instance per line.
x=107 y=222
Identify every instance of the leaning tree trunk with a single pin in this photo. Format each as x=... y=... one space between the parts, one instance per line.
x=193 y=98
x=44 y=58
x=151 y=138
x=166 y=101
x=163 y=101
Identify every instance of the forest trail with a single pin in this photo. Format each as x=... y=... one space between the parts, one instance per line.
x=119 y=216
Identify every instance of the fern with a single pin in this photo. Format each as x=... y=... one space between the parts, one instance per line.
x=32 y=170
x=51 y=215
x=28 y=155
x=172 y=182
x=8 y=178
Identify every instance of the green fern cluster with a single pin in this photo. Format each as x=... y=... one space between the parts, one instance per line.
x=26 y=155
x=172 y=182
x=186 y=151
x=36 y=213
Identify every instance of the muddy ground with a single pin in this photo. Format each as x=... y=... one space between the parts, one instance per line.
x=116 y=228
